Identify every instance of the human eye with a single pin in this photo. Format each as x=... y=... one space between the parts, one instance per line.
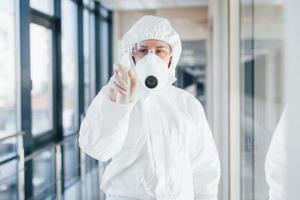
x=161 y=52
x=143 y=50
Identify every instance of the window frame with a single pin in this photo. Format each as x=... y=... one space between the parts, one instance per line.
x=54 y=138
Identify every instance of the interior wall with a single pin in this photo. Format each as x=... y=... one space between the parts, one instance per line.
x=190 y=23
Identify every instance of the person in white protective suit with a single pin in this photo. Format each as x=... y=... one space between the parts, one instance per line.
x=155 y=134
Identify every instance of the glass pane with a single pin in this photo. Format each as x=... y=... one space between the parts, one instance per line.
x=104 y=12
x=101 y=169
x=90 y=163
x=87 y=61
x=191 y=70
x=91 y=184
x=92 y=4
x=8 y=148
x=71 y=163
x=89 y=57
x=89 y=3
x=86 y=2
x=104 y=45
x=9 y=180
x=262 y=90
x=92 y=56
x=44 y=175
x=46 y=6
x=8 y=58
x=41 y=76
x=73 y=192
x=69 y=66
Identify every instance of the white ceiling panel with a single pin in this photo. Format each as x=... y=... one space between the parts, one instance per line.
x=150 y=4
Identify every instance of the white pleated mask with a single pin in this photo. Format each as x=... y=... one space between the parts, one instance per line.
x=152 y=72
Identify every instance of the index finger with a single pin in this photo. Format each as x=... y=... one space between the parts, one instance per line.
x=133 y=83
x=122 y=68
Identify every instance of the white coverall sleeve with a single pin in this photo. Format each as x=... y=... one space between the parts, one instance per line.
x=204 y=156
x=104 y=128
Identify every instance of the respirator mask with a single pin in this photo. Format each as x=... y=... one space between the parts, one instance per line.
x=152 y=69
x=152 y=72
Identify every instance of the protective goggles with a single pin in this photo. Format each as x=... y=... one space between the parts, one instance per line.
x=161 y=50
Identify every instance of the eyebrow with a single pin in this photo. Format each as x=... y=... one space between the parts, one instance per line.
x=161 y=46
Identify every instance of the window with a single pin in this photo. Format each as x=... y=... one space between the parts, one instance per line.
x=44 y=175
x=104 y=52
x=71 y=162
x=90 y=163
x=9 y=109
x=104 y=12
x=41 y=77
x=89 y=57
x=86 y=2
x=8 y=148
x=45 y=6
x=74 y=192
x=30 y=81
x=261 y=90
x=91 y=181
x=89 y=3
x=69 y=66
x=191 y=70
x=8 y=69
x=9 y=180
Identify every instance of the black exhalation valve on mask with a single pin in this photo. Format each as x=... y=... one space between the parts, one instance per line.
x=151 y=82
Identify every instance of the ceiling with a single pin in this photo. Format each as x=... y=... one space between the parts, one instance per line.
x=150 y=4
x=158 y=4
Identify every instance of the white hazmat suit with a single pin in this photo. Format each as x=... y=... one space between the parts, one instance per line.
x=161 y=145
